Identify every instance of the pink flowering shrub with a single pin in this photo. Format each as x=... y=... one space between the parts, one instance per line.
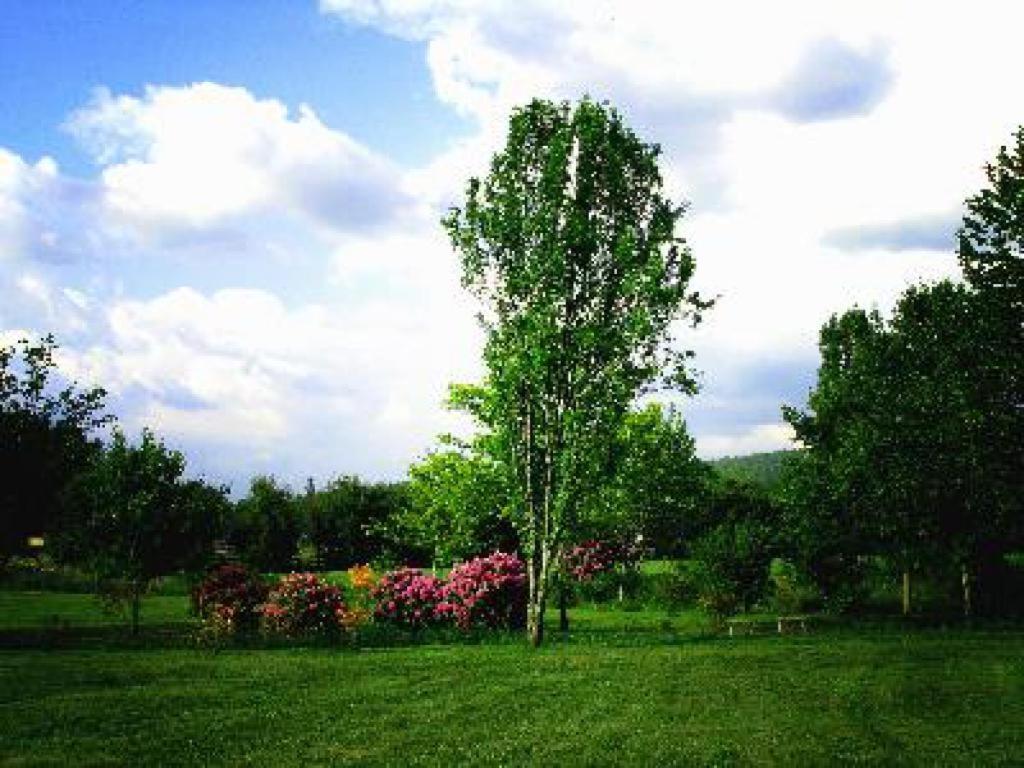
x=594 y=558
x=229 y=599
x=485 y=592
x=408 y=598
x=302 y=603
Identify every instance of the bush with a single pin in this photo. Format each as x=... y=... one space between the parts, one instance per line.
x=733 y=560
x=791 y=592
x=359 y=606
x=486 y=592
x=716 y=592
x=408 y=598
x=593 y=558
x=603 y=570
x=301 y=604
x=230 y=599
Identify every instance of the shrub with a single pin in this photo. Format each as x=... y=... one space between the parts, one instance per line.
x=791 y=592
x=229 y=599
x=603 y=570
x=486 y=592
x=359 y=606
x=408 y=598
x=302 y=603
x=733 y=558
x=716 y=592
x=593 y=558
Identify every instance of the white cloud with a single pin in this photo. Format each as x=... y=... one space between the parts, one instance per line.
x=252 y=382
x=203 y=155
x=784 y=123
x=758 y=438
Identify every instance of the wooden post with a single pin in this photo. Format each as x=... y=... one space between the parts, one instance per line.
x=906 y=592
x=965 y=581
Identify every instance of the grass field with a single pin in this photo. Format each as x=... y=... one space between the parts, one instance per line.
x=637 y=688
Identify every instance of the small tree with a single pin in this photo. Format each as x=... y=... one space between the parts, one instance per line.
x=656 y=489
x=734 y=551
x=457 y=506
x=572 y=248
x=264 y=526
x=47 y=437
x=131 y=518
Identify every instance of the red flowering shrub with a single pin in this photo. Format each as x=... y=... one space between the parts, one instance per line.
x=230 y=599
x=485 y=592
x=408 y=598
x=302 y=603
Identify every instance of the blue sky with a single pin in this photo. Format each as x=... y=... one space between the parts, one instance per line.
x=228 y=212
x=375 y=85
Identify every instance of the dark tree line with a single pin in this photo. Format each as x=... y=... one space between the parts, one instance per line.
x=344 y=523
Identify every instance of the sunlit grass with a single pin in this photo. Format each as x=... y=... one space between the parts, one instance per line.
x=628 y=687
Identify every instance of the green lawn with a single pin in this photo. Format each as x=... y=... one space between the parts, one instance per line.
x=637 y=688
x=47 y=610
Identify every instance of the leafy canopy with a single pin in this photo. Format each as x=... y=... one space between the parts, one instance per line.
x=571 y=247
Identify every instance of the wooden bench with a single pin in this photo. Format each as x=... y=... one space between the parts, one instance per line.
x=782 y=624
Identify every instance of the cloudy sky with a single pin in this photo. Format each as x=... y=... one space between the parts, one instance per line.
x=227 y=212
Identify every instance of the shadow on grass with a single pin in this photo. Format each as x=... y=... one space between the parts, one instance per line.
x=187 y=635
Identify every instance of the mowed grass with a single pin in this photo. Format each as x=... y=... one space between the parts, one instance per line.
x=651 y=694
x=55 y=610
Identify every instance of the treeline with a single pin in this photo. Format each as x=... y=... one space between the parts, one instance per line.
x=761 y=469
x=346 y=522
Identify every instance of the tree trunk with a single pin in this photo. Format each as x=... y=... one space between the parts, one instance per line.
x=906 y=592
x=563 y=608
x=535 y=618
x=136 y=608
x=965 y=582
x=538 y=573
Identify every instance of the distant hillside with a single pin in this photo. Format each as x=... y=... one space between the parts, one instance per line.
x=762 y=469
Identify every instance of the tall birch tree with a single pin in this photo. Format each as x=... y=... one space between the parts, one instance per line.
x=572 y=248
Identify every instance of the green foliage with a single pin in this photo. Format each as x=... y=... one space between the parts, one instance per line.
x=131 y=518
x=791 y=593
x=572 y=249
x=762 y=469
x=730 y=559
x=349 y=521
x=992 y=236
x=656 y=487
x=458 y=503
x=46 y=438
x=910 y=444
x=264 y=526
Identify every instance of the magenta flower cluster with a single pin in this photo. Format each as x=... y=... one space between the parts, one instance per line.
x=232 y=596
x=483 y=592
x=303 y=603
x=407 y=597
x=593 y=557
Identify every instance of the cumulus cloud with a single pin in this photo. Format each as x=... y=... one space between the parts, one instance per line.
x=252 y=383
x=195 y=157
x=44 y=216
x=325 y=319
x=758 y=438
x=780 y=133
